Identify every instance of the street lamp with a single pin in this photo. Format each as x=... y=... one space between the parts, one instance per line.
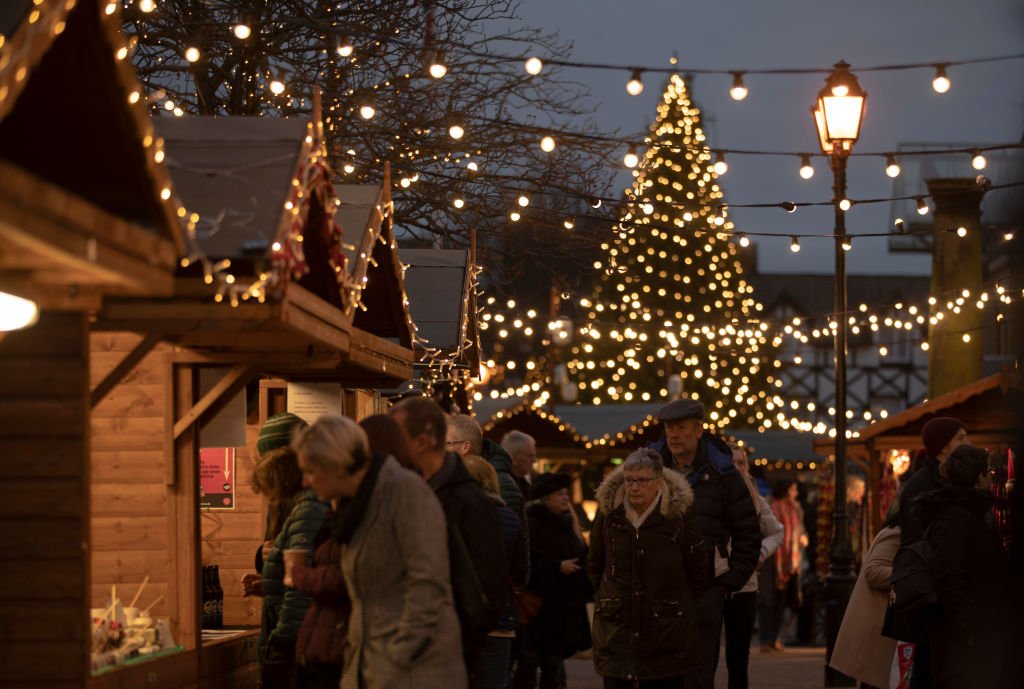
x=837 y=117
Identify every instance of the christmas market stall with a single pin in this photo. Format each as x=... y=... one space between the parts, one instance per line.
x=987 y=407
x=86 y=211
x=442 y=298
x=271 y=313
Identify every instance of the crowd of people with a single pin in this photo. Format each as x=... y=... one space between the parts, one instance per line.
x=409 y=551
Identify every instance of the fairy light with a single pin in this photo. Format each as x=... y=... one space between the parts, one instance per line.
x=456 y=131
x=978 y=161
x=276 y=87
x=242 y=31
x=941 y=81
x=744 y=240
x=146 y=6
x=922 y=205
x=847 y=243
x=961 y=231
x=437 y=69
x=344 y=48
x=366 y=111
x=635 y=85
x=547 y=144
x=514 y=216
x=806 y=169
x=739 y=89
x=631 y=159
x=192 y=54
x=794 y=244
x=533 y=66
x=892 y=168
x=523 y=200
x=845 y=204
x=721 y=167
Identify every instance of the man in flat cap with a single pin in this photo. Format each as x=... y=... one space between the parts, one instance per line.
x=723 y=510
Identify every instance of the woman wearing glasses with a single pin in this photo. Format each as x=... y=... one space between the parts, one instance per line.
x=647 y=561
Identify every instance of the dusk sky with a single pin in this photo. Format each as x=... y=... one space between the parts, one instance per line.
x=984 y=106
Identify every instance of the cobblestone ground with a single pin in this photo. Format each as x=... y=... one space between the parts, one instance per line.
x=794 y=668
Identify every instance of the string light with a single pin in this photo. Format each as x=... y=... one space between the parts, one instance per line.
x=437 y=68
x=635 y=86
x=721 y=167
x=978 y=161
x=366 y=111
x=739 y=89
x=1008 y=236
x=146 y=6
x=900 y=226
x=845 y=204
x=456 y=131
x=523 y=200
x=192 y=54
x=242 y=31
x=744 y=240
x=892 y=168
x=941 y=82
x=569 y=223
x=961 y=231
x=788 y=206
x=547 y=144
x=458 y=203
x=847 y=242
x=794 y=244
x=533 y=66
x=344 y=48
x=922 y=205
x=276 y=86
x=966 y=337
x=631 y=159
x=514 y=216
x=806 y=169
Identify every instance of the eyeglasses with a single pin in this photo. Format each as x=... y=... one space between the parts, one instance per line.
x=639 y=482
x=455 y=442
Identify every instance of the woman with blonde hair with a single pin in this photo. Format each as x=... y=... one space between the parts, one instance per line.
x=402 y=631
x=740 y=611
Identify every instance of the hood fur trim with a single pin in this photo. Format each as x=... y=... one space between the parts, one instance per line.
x=676 y=494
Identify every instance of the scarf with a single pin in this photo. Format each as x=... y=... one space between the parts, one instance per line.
x=351 y=516
x=637 y=520
x=787 y=557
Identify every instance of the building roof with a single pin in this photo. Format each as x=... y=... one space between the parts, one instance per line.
x=812 y=295
x=438 y=282
x=597 y=421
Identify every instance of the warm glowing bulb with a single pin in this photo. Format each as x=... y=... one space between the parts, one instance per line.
x=744 y=241
x=569 y=223
x=242 y=31
x=941 y=82
x=739 y=89
x=547 y=144
x=344 y=49
x=631 y=159
x=922 y=206
x=367 y=112
x=514 y=216
x=472 y=167
x=405 y=183
x=892 y=168
x=794 y=245
x=438 y=70
x=456 y=131
x=277 y=87
x=721 y=167
x=350 y=168
x=961 y=231
x=458 y=203
x=147 y=6
x=978 y=161
x=806 y=169
x=840 y=90
x=523 y=201
x=635 y=86
x=845 y=204
x=847 y=243
x=192 y=54
x=967 y=337
x=16 y=312
x=534 y=66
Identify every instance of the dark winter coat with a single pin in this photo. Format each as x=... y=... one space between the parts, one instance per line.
x=468 y=509
x=323 y=631
x=647 y=580
x=970 y=628
x=517 y=553
x=560 y=628
x=723 y=511
x=926 y=479
x=284 y=607
x=514 y=498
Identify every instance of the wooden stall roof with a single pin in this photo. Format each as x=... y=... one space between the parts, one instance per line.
x=442 y=298
x=259 y=184
x=86 y=207
x=988 y=407
x=552 y=435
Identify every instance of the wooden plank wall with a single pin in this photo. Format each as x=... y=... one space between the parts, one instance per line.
x=231 y=537
x=44 y=504
x=129 y=494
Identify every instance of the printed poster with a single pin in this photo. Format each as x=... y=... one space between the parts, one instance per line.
x=310 y=401
x=217 y=478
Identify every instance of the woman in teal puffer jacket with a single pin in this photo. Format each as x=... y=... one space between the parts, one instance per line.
x=283 y=606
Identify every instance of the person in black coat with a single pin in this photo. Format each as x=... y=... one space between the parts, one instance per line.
x=723 y=511
x=558 y=558
x=970 y=569
x=940 y=436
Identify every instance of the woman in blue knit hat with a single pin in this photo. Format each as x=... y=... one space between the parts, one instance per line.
x=294 y=518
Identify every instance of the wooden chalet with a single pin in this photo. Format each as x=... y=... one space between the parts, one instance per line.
x=989 y=408
x=86 y=211
x=442 y=299
x=276 y=295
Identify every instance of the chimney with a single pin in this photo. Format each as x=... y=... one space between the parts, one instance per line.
x=956 y=265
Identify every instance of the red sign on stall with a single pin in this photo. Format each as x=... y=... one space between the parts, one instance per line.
x=217 y=478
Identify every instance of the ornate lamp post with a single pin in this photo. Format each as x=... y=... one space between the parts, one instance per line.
x=837 y=116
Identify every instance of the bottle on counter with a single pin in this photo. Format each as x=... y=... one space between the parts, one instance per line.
x=218 y=598
x=209 y=598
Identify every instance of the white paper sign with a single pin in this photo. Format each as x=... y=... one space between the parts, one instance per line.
x=310 y=401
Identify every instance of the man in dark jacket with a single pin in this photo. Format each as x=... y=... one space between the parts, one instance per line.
x=940 y=436
x=465 y=437
x=723 y=511
x=466 y=507
x=969 y=631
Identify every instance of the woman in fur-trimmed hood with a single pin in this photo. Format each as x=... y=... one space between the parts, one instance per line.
x=648 y=564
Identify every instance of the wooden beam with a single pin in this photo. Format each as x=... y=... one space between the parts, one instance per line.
x=126 y=365
x=226 y=387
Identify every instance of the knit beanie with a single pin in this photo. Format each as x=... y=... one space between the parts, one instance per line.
x=937 y=433
x=277 y=432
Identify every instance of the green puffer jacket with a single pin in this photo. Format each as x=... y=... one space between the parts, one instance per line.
x=647 y=581
x=284 y=607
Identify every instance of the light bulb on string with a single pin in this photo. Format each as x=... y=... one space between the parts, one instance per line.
x=922 y=205
x=514 y=216
x=631 y=159
x=569 y=223
x=242 y=31
x=276 y=86
x=472 y=166
x=892 y=168
x=1008 y=236
x=721 y=167
x=635 y=86
x=788 y=206
x=847 y=243
x=366 y=111
x=961 y=232
x=192 y=54
x=547 y=144
x=344 y=48
x=437 y=68
x=523 y=200
x=456 y=131
x=794 y=244
x=978 y=161
x=900 y=226
x=595 y=203
x=739 y=89
x=967 y=337
x=458 y=203
x=941 y=82
x=845 y=204
x=744 y=240
x=533 y=66
x=806 y=169
x=147 y=6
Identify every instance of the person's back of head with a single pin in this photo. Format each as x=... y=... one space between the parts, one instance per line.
x=419 y=416
x=385 y=436
x=965 y=465
x=465 y=428
x=482 y=472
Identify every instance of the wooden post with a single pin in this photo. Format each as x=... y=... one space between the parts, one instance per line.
x=956 y=265
x=183 y=537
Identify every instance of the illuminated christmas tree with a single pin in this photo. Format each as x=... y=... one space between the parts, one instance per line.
x=671 y=313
